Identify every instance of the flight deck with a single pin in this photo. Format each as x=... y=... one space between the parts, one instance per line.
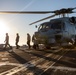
x=54 y=61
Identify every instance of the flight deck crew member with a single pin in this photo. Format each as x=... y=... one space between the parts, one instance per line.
x=35 y=42
x=7 y=41
x=28 y=40
x=17 y=41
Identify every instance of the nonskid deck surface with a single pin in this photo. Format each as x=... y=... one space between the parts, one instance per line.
x=38 y=62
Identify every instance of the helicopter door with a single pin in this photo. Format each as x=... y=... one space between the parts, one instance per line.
x=65 y=31
x=72 y=30
x=69 y=31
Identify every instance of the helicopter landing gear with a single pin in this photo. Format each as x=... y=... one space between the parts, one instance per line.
x=47 y=46
x=36 y=46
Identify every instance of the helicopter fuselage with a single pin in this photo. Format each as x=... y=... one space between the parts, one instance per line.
x=60 y=30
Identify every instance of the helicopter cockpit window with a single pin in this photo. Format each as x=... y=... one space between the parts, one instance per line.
x=44 y=27
x=40 y=27
x=57 y=25
x=47 y=27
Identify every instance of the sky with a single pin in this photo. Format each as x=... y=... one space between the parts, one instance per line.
x=19 y=23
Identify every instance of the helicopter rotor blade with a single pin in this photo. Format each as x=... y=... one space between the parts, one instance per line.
x=43 y=19
x=72 y=8
x=39 y=12
x=73 y=11
x=25 y=12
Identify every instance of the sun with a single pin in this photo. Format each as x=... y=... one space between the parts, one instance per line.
x=3 y=30
x=3 y=27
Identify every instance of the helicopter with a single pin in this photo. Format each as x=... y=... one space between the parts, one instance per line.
x=59 y=31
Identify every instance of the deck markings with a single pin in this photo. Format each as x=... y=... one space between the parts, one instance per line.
x=25 y=66
x=63 y=68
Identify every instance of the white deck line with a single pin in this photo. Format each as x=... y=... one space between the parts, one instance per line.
x=52 y=64
x=63 y=68
x=24 y=66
